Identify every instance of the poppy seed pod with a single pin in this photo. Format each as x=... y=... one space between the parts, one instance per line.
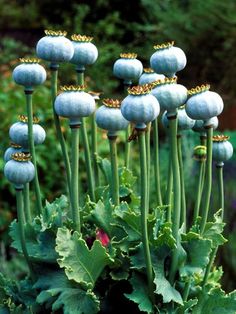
x=203 y=104
x=19 y=170
x=140 y=107
x=110 y=118
x=184 y=122
x=14 y=148
x=85 y=52
x=169 y=94
x=168 y=59
x=55 y=47
x=128 y=68
x=29 y=73
x=19 y=132
x=199 y=125
x=149 y=76
x=222 y=149
x=74 y=103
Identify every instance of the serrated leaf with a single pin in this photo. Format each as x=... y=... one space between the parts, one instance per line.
x=102 y=215
x=215 y=302
x=165 y=237
x=57 y=292
x=81 y=264
x=198 y=251
x=140 y=293
x=188 y=305
x=163 y=286
x=105 y=167
x=127 y=178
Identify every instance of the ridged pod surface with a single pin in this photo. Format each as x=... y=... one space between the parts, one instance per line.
x=19 y=172
x=168 y=59
x=149 y=76
x=55 y=47
x=203 y=104
x=74 y=103
x=222 y=149
x=184 y=122
x=140 y=107
x=199 y=124
x=85 y=52
x=110 y=118
x=169 y=94
x=128 y=68
x=9 y=151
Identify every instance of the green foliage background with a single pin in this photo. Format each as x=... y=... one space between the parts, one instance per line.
x=204 y=29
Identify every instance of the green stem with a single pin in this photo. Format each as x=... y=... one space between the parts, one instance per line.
x=168 y=197
x=186 y=290
x=148 y=154
x=199 y=191
x=177 y=192
x=75 y=177
x=114 y=170
x=26 y=197
x=182 y=185
x=32 y=150
x=144 y=210
x=203 y=139
x=220 y=183
x=20 y=215
x=209 y=266
x=156 y=162
x=87 y=154
x=94 y=151
x=208 y=180
x=54 y=73
x=127 y=146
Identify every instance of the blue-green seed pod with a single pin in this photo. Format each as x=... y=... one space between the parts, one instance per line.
x=128 y=68
x=110 y=118
x=19 y=132
x=222 y=149
x=168 y=59
x=149 y=76
x=74 y=103
x=19 y=170
x=184 y=122
x=199 y=125
x=169 y=94
x=203 y=104
x=85 y=52
x=14 y=148
x=140 y=107
x=55 y=47
x=29 y=73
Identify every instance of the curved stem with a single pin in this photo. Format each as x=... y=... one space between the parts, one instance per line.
x=199 y=191
x=208 y=180
x=177 y=192
x=156 y=162
x=54 y=73
x=114 y=170
x=32 y=151
x=26 y=197
x=75 y=177
x=144 y=211
x=94 y=151
x=148 y=154
x=182 y=185
x=20 y=214
x=85 y=141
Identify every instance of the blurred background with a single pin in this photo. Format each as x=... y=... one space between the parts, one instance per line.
x=204 y=29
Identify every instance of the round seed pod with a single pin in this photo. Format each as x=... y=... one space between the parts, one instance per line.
x=199 y=125
x=14 y=148
x=169 y=94
x=128 y=68
x=203 y=104
x=19 y=170
x=55 y=47
x=200 y=153
x=222 y=149
x=19 y=132
x=184 y=122
x=74 y=103
x=85 y=52
x=110 y=118
x=140 y=107
x=149 y=76
x=29 y=73
x=168 y=59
